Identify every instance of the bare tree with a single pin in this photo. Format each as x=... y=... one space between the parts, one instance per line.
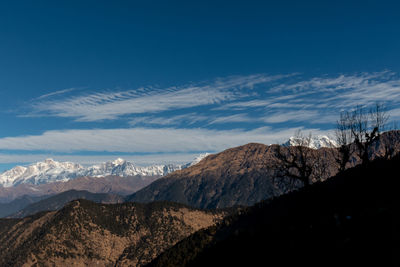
x=296 y=161
x=379 y=117
x=343 y=140
x=365 y=128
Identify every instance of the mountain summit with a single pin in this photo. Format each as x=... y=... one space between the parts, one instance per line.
x=316 y=142
x=40 y=172
x=50 y=171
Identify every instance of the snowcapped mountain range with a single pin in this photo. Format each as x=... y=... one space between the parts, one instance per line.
x=50 y=171
x=315 y=142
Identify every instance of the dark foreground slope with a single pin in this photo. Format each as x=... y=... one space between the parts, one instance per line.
x=85 y=233
x=349 y=220
x=58 y=201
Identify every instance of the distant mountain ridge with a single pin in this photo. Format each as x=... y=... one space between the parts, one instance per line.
x=58 y=201
x=50 y=171
x=18 y=204
x=39 y=173
x=110 y=184
x=316 y=142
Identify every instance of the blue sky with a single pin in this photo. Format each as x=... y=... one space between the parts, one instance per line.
x=161 y=81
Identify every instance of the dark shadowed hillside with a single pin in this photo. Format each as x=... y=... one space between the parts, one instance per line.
x=84 y=233
x=58 y=201
x=349 y=220
x=109 y=184
x=18 y=204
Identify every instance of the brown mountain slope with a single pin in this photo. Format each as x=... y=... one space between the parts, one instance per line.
x=84 y=233
x=110 y=184
x=238 y=176
x=242 y=175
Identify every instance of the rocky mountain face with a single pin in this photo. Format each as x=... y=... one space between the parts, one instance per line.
x=85 y=233
x=60 y=200
x=243 y=175
x=348 y=220
x=51 y=171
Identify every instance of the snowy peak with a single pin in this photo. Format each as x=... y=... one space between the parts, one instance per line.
x=50 y=171
x=121 y=167
x=40 y=172
x=118 y=161
x=199 y=158
x=315 y=142
x=196 y=160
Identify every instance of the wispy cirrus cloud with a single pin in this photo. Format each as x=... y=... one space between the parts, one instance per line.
x=319 y=99
x=187 y=119
x=344 y=90
x=112 y=105
x=243 y=105
x=59 y=92
x=239 y=99
x=144 y=140
x=241 y=117
x=279 y=117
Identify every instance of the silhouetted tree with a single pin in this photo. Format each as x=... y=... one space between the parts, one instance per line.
x=343 y=140
x=296 y=162
x=364 y=128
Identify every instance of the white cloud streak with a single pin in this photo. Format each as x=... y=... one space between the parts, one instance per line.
x=188 y=119
x=311 y=101
x=59 y=92
x=112 y=105
x=280 y=117
x=234 y=118
x=320 y=99
x=148 y=140
x=343 y=91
